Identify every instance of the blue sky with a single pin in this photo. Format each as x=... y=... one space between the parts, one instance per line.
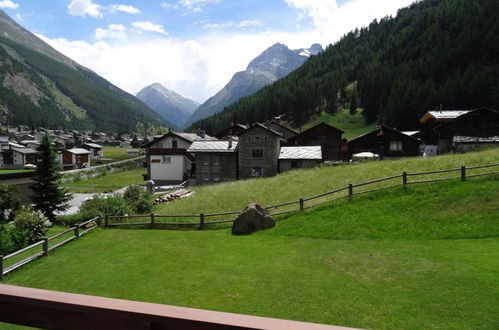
x=191 y=46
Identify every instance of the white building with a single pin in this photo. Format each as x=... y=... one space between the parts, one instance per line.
x=168 y=161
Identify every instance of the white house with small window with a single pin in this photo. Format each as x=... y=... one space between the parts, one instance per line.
x=168 y=161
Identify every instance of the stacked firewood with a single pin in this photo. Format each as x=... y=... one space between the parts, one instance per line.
x=179 y=194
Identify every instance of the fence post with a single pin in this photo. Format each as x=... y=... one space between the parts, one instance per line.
x=152 y=221
x=350 y=190
x=1 y=267
x=301 y=204
x=404 y=178
x=201 y=221
x=463 y=173
x=77 y=231
x=106 y=220
x=45 y=246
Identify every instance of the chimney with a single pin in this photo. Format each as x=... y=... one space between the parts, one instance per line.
x=441 y=107
x=201 y=133
x=230 y=141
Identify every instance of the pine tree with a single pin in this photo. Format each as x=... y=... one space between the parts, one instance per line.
x=354 y=104
x=49 y=195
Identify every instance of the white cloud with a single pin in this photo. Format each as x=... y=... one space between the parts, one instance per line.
x=85 y=7
x=331 y=21
x=114 y=31
x=231 y=24
x=147 y=26
x=195 y=5
x=200 y=67
x=8 y=4
x=125 y=8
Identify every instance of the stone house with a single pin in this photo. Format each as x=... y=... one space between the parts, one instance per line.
x=215 y=161
x=258 y=152
x=324 y=135
x=291 y=158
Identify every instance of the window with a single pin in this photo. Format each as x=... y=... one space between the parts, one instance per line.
x=257 y=153
x=395 y=145
x=256 y=138
x=216 y=160
x=166 y=160
x=206 y=176
x=256 y=172
x=174 y=144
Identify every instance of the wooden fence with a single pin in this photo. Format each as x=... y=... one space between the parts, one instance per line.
x=202 y=220
x=21 y=257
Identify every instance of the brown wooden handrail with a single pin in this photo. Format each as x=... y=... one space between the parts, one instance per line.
x=60 y=310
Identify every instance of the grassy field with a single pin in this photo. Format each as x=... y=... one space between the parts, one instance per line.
x=14 y=171
x=109 y=182
x=352 y=125
x=116 y=153
x=292 y=186
x=422 y=257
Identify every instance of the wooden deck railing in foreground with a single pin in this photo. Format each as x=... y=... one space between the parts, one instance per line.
x=59 y=310
x=21 y=257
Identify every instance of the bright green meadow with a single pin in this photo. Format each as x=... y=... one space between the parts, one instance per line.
x=110 y=182
x=423 y=256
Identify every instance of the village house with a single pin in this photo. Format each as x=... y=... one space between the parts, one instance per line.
x=133 y=152
x=17 y=158
x=96 y=150
x=33 y=144
x=446 y=128
x=385 y=142
x=286 y=132
x=258 y=152
x=167 y=159
x=75 y=158
x=233 y=130
x=324 y=135
x=291 y=158
x=215 y=161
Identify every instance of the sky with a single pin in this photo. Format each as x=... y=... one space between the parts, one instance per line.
x=192 y=47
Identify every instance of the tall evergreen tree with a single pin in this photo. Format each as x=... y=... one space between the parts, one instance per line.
x=49 y=195
x=354 y=104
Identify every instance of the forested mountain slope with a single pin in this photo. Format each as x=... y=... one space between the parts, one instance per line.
x=41 y=87
x=433 y=52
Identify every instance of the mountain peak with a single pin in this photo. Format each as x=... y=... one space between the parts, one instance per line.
x=168 y=104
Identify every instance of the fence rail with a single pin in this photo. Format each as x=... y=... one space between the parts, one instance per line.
x=198 y=220
x=41 y=248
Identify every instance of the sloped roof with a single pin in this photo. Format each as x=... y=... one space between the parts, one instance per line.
x=94 y=145
x=314 y=152
x=79 y=151
x=25 y=151
x=377 y=129
x=212 y=146
x=443 y=115
x=261 y=126
x=410 y=133
x=476 y=139
x=189 y=137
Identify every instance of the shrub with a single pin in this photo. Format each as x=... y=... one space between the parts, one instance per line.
x=70 y=220
x=9 y=200
x=33 y=222
x=138 y=199
x=102 y=205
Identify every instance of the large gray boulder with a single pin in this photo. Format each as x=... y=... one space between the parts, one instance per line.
x=251 y=219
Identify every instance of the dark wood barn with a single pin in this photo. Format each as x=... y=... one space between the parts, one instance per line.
x=324 y=135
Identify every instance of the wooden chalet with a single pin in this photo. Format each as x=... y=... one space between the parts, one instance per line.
x=286 y=132
x=75 y=158
x=445 y=128
x=233 y=130
x=324 y=135
x=385 y=142
x=96 y=150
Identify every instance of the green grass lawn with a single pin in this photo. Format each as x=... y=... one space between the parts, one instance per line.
x=293 y=185
x=352 y=125
x=422 y=257
x=14 y=171
x=116 y=153
x=109 y=182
